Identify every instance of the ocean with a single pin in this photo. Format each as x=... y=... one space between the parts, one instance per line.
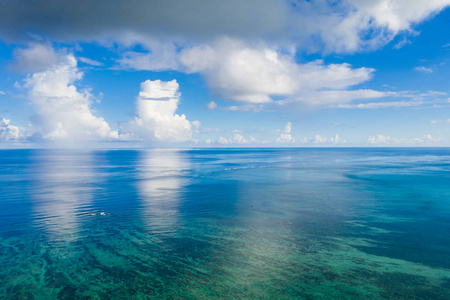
x=327 y=223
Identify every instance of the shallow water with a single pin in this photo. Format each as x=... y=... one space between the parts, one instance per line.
x=225 y=224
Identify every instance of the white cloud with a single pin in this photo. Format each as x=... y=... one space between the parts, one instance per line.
x=8 y=132
x=196 y=125
x=337 y=140
x=340 y=26
x=318 y=139
x=2 y=92
x=286 y=137
x=339 y=96
x=402 y=43
x=288 y=127
x=423 y=69
x=381 y=104
x=413 y=99
x=381 y=139
x=63 y=112
x=254 y=74
x=245 y=108
x=354 y=25
x=159 y=90
x=378 y=139
x=211 y=105
x=398 y=15
x=236 y=138
x=429 y=138
x=239 y=73
x=90 y=61
x=156 y=119
x=256 y=71
x=35 y=58
x=160 y=56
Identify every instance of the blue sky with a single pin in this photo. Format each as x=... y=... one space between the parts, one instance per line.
x=253 y=74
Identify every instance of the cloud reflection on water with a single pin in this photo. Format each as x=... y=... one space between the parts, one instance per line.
x=62 y=189
x=162 y=176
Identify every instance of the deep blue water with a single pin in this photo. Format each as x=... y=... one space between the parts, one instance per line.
x=225 y=224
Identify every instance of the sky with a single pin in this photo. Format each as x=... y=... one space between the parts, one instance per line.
x=254 y=73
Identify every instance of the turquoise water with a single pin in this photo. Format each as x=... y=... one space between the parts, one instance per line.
x=225 y=224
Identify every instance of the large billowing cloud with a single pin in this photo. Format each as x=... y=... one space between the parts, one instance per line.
x=341 y=26
x=247 y=52
x=207 y=37
x=256 y=73
x=240 y=72
x=63 y=112
x=156 y=119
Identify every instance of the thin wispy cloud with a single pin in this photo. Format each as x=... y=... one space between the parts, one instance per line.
x=423 y=69
x=91 y=62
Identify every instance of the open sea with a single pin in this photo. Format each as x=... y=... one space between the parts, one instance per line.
x=225 y=224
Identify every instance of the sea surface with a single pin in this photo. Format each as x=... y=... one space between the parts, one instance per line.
x=225 y=224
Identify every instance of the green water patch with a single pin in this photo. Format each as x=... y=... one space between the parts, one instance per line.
x=207 y=261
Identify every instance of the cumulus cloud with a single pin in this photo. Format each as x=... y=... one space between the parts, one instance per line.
x=8 y=132
x=254 y=74
x=211 y=105
x=286 y=137
x=238 y=73
x=63 y=112
x=318 y=139
x=378 y=139
x=156 y=119
x=235 y=139
x=207 y=38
